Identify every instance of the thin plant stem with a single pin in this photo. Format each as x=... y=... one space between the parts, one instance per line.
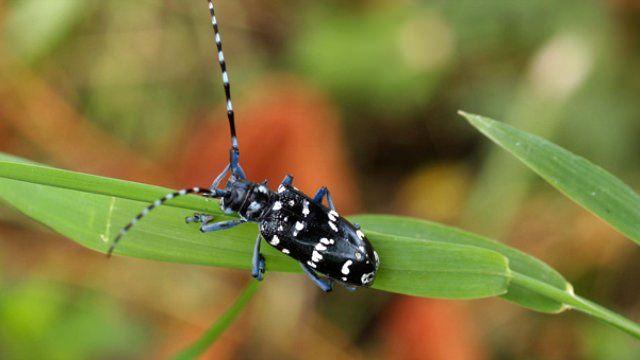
x=218 y=328
x=576 y=302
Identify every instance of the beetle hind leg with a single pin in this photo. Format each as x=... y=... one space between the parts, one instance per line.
x=324 y=284
x=320 y=194
x=288 y=180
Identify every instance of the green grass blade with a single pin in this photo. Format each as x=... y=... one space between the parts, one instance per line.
x=91 y=209
x=221 y=325
x=36 y=173
x=519 y=262
x=585 y=183
x=578 y=303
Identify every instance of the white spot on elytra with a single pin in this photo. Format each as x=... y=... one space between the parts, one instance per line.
x=325 y=241
x=280 y=228
x=333 y=226
x=358 y=256
x=277 y=206
x=305 y=208
x=313 y=265
x=345 y=267
x=299 y=225
x=360 y=234
x=367 y=278
x=262 y=189
x=275 y=240
x=281 y=189
x=285 y=251
x=316 y=256
x=333 y=215
x=320 y=247
x=344 y=278
x=291 y=202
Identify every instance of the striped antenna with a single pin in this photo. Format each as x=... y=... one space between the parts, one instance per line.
x=225 y=77
x=155 y=204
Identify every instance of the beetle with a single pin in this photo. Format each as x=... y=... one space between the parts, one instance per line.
x=328 y=247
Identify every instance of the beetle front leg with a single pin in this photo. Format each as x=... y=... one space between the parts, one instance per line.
x=320 y=194
x=199 y=218
x=258 y=262
x=323 y=284
x=222 y=225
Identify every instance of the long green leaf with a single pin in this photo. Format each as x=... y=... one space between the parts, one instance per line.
x=519 y=262
x=585 y=183
x=442 y=262
x=91 y=209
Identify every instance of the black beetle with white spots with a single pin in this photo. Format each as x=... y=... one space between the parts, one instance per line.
x=328 y=247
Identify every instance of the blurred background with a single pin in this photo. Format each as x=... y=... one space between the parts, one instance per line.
x=360 y=96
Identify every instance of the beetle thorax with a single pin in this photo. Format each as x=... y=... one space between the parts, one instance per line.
x=248 y=199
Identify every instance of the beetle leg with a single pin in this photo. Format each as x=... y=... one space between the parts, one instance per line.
x=216 y=182
x=320 y=194
x=199 y=218
x=288 y=180
x=323 y=284
x=222 y=225
x=258 y=262
x=349 y=287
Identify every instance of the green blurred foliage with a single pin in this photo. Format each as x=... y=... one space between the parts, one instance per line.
x=386 y=60
x=601 y=343
x=45 y=320
x=34 y=28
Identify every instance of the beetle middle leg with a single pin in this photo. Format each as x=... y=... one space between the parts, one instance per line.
x=258 y=262
x=323 y=284
x=320 y=194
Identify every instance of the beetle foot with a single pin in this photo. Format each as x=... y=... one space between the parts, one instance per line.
x=198 y=218
x=258 y=272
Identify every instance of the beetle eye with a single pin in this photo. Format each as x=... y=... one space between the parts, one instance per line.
x=358 y=256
